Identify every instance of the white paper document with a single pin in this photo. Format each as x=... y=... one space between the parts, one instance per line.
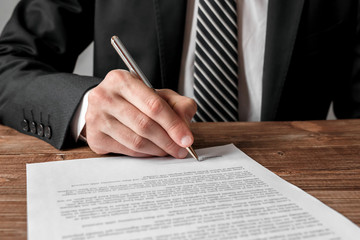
x=226 y=196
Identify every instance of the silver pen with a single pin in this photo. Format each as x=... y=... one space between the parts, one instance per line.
x=134 y=68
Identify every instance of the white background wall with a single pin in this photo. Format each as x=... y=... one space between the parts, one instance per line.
x=84 y=65
x=85 y=61
x=5 y=11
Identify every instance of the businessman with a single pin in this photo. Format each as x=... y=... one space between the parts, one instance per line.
x=294 y=58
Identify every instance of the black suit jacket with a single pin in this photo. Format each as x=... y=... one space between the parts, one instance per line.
x=311 y=57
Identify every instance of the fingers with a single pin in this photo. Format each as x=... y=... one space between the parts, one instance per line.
x=141 y=133
x=125 y=116
x=105 y=134
x=156 y=108
x=131 y=142
x=101 y=143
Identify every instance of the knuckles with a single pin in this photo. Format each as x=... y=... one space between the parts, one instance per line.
x=138 y=143
x=175 y=127
x=155 y=105
x=119 y=78
x=144 y=124
x=99 y=96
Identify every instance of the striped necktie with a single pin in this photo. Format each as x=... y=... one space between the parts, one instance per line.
x=216 y=66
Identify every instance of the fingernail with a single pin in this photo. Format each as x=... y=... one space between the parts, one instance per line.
x=183 y=153
x=186 y=141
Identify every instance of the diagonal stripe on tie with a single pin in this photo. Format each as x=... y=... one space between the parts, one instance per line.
x=215 y=67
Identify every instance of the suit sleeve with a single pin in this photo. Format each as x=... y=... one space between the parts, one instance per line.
x=38 y=51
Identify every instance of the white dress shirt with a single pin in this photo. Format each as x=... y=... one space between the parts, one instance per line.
x=252 y=20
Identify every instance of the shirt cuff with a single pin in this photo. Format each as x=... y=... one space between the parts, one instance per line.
x=78 y=121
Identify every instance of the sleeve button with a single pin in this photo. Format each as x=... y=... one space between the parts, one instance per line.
x=25 y=125
x=48 y=132
x=40 y=130
x=33 y=127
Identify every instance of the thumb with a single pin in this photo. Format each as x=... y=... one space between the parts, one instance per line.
x=184 y=107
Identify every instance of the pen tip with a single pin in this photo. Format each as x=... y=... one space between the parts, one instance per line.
x=192 y=153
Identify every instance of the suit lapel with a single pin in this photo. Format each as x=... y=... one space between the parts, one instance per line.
x=282 y=27
x=170 y=24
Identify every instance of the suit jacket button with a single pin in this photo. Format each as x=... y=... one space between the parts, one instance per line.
x=48 y=132
x=25 y=125
x=40 y=130
x=33 y=127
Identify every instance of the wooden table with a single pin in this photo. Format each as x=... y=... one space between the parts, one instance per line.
x=321 y=157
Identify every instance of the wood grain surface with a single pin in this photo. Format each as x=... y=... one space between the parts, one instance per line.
x=320 y=157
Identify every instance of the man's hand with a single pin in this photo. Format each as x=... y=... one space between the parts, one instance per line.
x=125 y=116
